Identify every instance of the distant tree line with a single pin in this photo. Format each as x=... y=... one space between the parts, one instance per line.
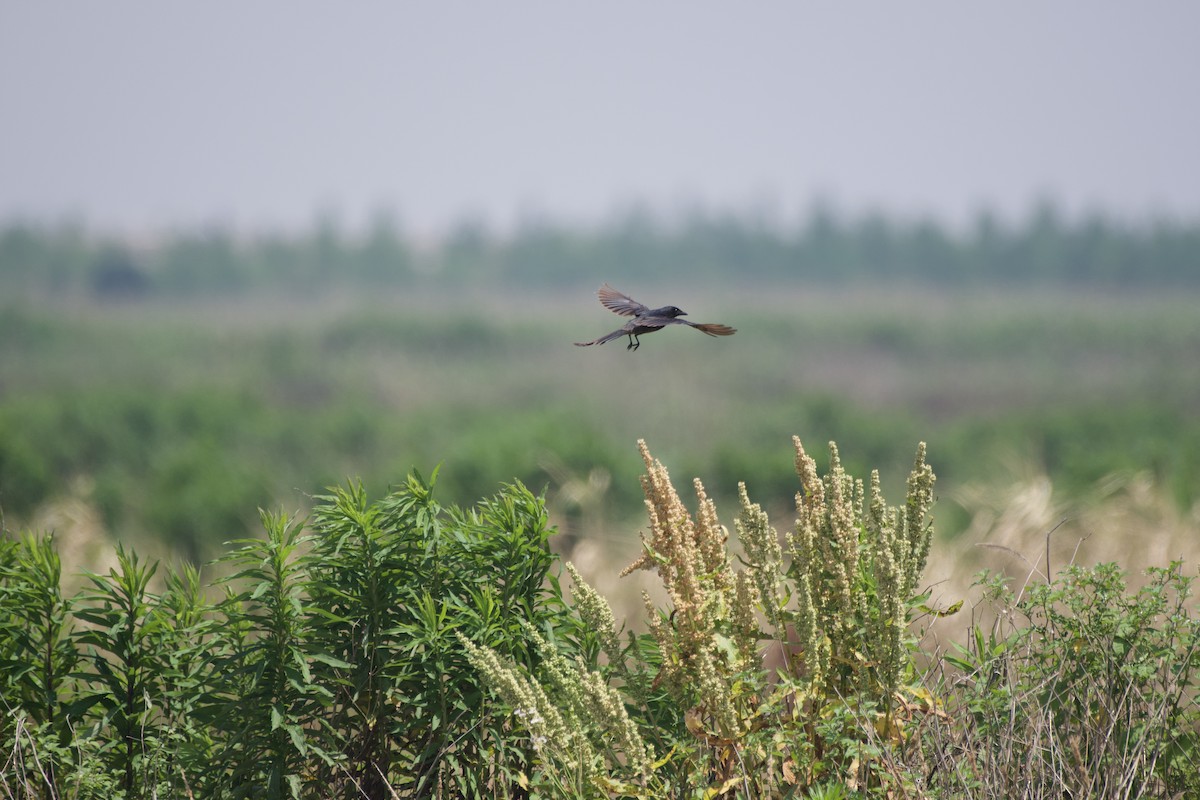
x=823 y=247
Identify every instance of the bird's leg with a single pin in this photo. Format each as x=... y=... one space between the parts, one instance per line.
x=630 y=345
x=636 y=342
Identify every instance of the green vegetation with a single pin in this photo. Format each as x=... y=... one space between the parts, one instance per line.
x=174 y=421
x=400 y=648
x=173 y=383
x=328 y=662
x=1076 y=683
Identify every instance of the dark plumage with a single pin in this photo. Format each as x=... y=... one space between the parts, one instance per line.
x=646 y=320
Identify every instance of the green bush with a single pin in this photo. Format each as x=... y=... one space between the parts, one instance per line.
x=330 y=665
x=1079 y=688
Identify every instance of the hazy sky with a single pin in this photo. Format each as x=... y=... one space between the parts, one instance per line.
x=140 y=115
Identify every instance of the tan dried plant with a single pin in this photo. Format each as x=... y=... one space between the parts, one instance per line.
x=832 y=605
x=711 y=630
x=834 y=602
x=856 y=564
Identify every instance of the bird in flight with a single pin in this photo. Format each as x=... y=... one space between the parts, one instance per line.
x=646 y=320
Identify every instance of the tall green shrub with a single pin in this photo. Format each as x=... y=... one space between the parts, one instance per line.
x=391 y=583
x=38 y=657
x=266 y=698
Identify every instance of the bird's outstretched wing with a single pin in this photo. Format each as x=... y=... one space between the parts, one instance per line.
x=624 y=330
x=619 y=303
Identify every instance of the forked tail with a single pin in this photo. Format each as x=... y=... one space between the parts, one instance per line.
x=712 y=328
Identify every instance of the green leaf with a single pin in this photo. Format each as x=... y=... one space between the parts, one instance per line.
x=332 y=661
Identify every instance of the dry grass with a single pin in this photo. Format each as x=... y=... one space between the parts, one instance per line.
x=1027 y=532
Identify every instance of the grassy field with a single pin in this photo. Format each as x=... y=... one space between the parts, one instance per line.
x=174 y=421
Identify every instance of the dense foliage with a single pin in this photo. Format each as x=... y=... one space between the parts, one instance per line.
x=327 y=660
x=399 y=648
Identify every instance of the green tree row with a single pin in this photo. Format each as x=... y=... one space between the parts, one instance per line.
x=824 y=247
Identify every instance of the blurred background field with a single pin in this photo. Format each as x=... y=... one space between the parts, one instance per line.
x=146 y=397
x=246 y=254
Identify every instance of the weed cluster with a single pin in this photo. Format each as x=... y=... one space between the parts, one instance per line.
x=791 y=670
x=764 y=675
